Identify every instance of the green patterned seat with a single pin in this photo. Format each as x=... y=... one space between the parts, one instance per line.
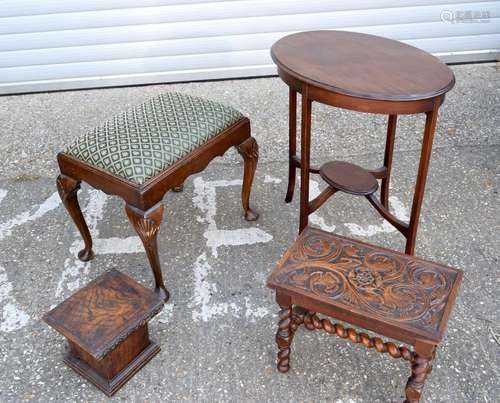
x=141 y=143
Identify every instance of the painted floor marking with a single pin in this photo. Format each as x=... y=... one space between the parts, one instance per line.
x=356 y=230
x=271 y=179
x=13 y=317
x=315 y=218
x=203 y=291
x=398 y=209
x=3 y=193
x=49 y=204
x=205 y=199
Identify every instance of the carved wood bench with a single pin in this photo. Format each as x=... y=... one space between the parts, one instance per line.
x=395 y=295
x=147 y=151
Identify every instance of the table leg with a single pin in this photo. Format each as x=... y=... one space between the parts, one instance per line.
x=305 y=156
x=292 y=144
x=389 y=148
x=425 y=156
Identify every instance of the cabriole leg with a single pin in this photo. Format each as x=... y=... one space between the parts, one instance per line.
x=68 y=189
x=249 y=150
x=147 y=225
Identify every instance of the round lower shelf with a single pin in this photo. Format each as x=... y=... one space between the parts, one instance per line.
x=349 y=178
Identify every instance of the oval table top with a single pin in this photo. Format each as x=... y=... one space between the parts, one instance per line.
x=362 y=66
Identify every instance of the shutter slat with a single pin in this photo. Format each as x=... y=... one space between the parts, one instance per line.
x=107 y=42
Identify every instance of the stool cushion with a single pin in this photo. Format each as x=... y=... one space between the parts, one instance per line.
x=144 y=141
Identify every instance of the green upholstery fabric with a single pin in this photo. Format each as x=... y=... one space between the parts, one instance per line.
x=142 y=142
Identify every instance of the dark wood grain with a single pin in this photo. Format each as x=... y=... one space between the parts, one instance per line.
x=349 y=178
x=111 y=385
x=423 y=168
x=312 y=322
x=105 y=324
x=284 y=338
x=362 y=66
x=390 y=289
x=363 y=73
x=102 y=314
x=119 y=357
x=305 y=157
x=387 y=292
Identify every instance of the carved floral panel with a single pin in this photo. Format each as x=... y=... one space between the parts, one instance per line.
x=373 y=280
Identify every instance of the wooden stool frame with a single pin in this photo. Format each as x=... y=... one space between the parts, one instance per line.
x=292 y=317
x=369 y=287
x=143 y=203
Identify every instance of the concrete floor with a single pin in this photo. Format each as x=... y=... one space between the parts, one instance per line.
x=217 y=331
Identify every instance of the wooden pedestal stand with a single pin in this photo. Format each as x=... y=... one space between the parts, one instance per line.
x=105 y=324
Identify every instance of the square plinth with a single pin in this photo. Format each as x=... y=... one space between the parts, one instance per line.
x=106 y=327
x=397 y=295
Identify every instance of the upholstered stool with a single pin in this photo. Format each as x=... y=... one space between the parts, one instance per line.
x=106 y=326
x=395 y=295
x=147 y=151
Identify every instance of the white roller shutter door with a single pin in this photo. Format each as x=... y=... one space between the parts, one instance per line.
x=50 y=45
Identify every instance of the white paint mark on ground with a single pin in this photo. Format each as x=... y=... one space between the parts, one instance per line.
x=49 y=204
x=203 y=291
x=398 y=209
x=240 y=236
x=205 y=198
x=253 y=313
x=271 y=179
x=3 y=193
x=314 y=218
x=73 y=267
x=166 y=314
x=13 y=317
x=113 y=245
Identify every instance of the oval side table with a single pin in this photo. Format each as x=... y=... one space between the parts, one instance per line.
x=363 y=73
